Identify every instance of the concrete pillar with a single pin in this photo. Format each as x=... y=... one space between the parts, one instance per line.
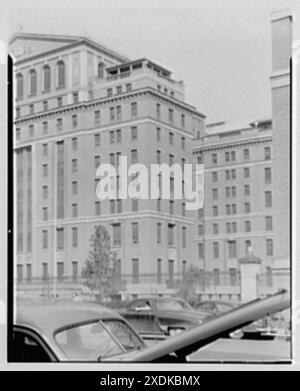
x=249 y=270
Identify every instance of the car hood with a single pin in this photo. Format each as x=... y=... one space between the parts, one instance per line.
x=197 y=337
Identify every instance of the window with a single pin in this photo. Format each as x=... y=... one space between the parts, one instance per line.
x=269 y=247
x=233 y=174
x=200 y=229
x=247 y=206
x=96 y=161
x=119 y=89
x=214 y=158
x=112 y=113
x=97 y=140
x=45 y=170
x=214 y=176
x=215 y=210
x=119 y=135
x=159 y=271
x=60 y=238
x=267 y=153
x=183 y=237
x=171 y=207
x=112 y=206
x=227 y=192
x=268 y=175
x=135 y=270
x=61 y=74
x=119 y=112
x=183 y=142
x=119 y=206
x=134 y=134
x=74 y=165
x=171 y=138
x=158 y=205
x=20 y=86
x=228 y=209
x=74 y=271
x=247 y=190
x=182 y=120
x=158 y=110
x=18 y=133
x=246 y=154
x=116 y=234
x=31 y=130
x=268 y=199
x=233 y=227
x=228 y=228
x=233 y=209
x=135 y=204
x=133 y=109
x=74 y=237
x=216 y=229
x=20 y=273
x=45 y=105
x=158 y=157
x=269 y=223
x=247 y=226
x=60 y=270
x=134 y=156
x=200 y=159
x=158 y=226
x=248 y=245
x=59 y=101
x=45 y=238
x=201 y=250
x=232 y=276
x=158 y=134
x=171 y=115
x=47 y=78
x=97 y=117
x=135 y=233
x=171 y=159
x=100 y=70
x=227 y=156
x=233 y=191
x=246 y=172
x=171 y=270
x=74 y=187
x=74 y=121
x=232 y=156
x=18 y=112
x=227 y=174
x=45 y=192
x=216 y=276
x=45 y=149
x=44 y=271
x=171 y=229
x=74 y=144
x=215 y=193
x=109 y=92
x=45 y=213
x=97 y=208
x=216 y=250
x=32 y=82
x=128 y=87
x=74 y=210
x=232 y=248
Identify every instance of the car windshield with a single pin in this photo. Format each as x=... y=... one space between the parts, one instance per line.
x=173 y=305
x=96 y=340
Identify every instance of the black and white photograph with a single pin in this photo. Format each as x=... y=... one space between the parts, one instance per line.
x=149 y=170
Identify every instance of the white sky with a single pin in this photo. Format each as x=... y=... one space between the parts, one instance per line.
x=220 y=48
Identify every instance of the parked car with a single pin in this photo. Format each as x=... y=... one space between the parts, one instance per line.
x=161 y=316
x=44 y=332
x=215 y=307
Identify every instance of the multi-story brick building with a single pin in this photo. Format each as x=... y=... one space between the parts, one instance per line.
x=79 y=104
x=238 y=209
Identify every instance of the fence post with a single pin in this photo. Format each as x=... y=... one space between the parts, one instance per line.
x=249 y=270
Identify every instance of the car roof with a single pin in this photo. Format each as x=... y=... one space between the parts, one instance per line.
x=47 y=316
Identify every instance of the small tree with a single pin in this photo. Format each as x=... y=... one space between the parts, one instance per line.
x=99 y=267
x=190 y=281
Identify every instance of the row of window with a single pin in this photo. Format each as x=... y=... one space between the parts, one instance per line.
x=119 y=90
x=231 y=209
x=230 y=156
x=231 y=227
x=232 y=174
x=232 y=249
x=117 y=236
x=165 y=90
